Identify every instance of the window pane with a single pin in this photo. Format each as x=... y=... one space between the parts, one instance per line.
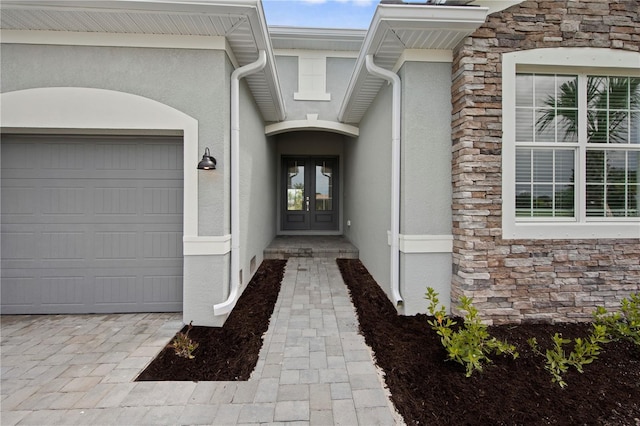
x=523 y=201
x=523 y=165
x=543 y=200
x=524 y=125
x=542 y=165
x=565 y=201
x=613 y=109
x=545 y=183
x=564 y=166
x=524 y=90
x=612 y=183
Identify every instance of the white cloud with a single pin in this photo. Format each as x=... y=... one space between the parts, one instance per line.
x=314 y=1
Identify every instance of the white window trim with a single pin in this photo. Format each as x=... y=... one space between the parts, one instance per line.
x=602 y=60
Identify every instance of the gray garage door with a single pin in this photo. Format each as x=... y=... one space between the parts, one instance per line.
x=91 y=224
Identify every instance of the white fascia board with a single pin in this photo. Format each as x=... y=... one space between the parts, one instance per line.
x=390 y=16
x=76 y=38
x=219 y=6
x=326 y=53
x=317 y=33
x=263 y=41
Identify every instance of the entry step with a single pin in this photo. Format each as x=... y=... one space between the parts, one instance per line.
x=333 y=247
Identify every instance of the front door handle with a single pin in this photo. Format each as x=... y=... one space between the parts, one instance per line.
x=307 y=203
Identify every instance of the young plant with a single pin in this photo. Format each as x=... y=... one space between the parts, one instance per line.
x=471 y=343
x=183 y=345
x=624 y=325
x=585 y=351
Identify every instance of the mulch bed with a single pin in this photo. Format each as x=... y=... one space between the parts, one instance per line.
x=426 y=389
x=229 y=352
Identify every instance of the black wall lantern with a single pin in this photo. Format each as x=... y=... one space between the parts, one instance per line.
x=207 y=162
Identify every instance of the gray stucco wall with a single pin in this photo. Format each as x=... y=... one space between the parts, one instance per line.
x=425 y=178
x=338 y=70
x=257 y=185
x=367 y=189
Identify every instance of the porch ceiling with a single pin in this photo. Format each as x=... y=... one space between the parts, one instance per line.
x=396 y=27
x=241 y=22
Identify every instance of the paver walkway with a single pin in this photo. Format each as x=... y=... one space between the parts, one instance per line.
x=314 y=367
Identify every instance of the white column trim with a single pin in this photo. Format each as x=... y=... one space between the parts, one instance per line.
x=423 y=55
x=203 y=246
x=424 y=243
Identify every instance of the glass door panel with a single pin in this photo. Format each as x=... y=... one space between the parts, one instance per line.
x=295 y=185
x=324 y=186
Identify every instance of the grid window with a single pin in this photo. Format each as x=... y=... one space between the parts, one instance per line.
x=577 y=143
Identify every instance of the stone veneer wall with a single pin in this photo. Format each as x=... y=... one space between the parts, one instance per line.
x=528 y=280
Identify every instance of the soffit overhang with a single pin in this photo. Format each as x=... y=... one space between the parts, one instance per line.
x=241 y=22
x=396 y=27
x=331 y=39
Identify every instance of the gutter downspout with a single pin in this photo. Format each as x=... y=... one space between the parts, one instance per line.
x=226 y=306
x=395 y=173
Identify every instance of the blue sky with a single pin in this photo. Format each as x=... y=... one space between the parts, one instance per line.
x=320 y=13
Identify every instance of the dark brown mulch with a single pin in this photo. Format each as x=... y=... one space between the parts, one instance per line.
x=428 y=390
x=229 y=352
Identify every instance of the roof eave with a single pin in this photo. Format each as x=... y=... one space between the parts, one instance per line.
x=460 y=20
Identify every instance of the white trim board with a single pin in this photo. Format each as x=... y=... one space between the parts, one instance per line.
x=423 y=55
x=424 y=243
x=311 y=123
x=157 y=41
x=206 y=246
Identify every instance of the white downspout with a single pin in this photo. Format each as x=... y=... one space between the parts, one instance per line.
x=258 y=65
x=395 y=173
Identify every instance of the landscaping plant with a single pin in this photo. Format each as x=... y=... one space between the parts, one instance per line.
x=470 y=344
x=584 y=352
x=624 y=325
x=183 y=345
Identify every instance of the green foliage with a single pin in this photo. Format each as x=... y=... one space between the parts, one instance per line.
x=471 y=343
x=585 y=351
x=183 y=345
x=623 y=325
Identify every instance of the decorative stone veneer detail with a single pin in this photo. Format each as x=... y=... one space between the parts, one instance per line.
x=528 y=280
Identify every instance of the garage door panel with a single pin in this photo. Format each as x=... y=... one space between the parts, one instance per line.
x=161 y=288
x=22 y=198
x=17 y=245
x=93 y=230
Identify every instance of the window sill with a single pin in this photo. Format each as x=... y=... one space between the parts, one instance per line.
x=570 y=231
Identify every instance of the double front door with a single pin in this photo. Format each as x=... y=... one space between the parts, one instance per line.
x=310 y=198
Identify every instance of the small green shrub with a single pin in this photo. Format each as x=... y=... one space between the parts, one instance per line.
x=471 y=343
x=624 y=325
x=183 y=345
x=584 y=352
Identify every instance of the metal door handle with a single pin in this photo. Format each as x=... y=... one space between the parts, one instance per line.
x=307 y=203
